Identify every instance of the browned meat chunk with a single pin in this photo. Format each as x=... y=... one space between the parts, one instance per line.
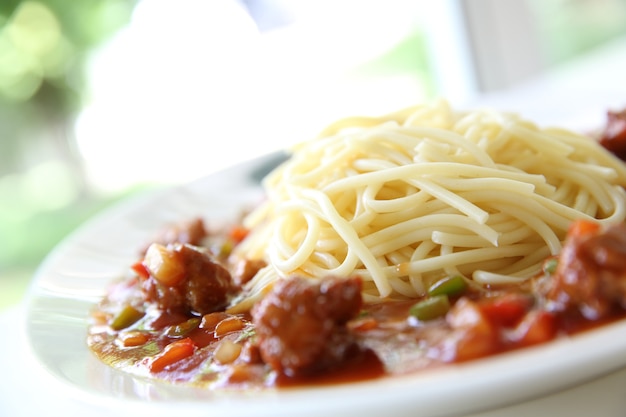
x=184 y=278
x=591 y=275
x=301 y=326
x=245 y=269
x=614 y=136
x=191 y=232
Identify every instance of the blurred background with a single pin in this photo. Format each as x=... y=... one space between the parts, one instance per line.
x=104 y=99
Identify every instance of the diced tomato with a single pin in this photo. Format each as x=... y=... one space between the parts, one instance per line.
x=172 y=353
x=140 y=269
x=474 y=335
x=466 y=313
x=506 y=310
x=581 y=228
x=472 y=345
x=538 y=326
x=238 y=233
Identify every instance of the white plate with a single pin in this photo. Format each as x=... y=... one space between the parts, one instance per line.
x=75 y=275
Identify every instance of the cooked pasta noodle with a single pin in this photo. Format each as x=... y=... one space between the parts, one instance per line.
x=426 y=192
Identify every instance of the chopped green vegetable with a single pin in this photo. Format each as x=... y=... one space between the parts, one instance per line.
x=126 y=317
x=549 y=266
x=430 y=308
x=181 y=329
x=226 y=248
x=450 y=286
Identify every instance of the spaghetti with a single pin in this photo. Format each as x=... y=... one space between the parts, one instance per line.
x=406 y=199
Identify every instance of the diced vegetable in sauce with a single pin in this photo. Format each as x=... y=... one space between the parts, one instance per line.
x=169 y=319
x=126 y=317
x=449 y=286
x=430 y=308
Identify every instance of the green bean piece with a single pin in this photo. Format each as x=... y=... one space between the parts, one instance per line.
x=449 y=286
x=126 y=317
x=181 y=329
x=430 y=308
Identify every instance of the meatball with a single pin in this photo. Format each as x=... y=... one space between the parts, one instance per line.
x=301 y=325
x=245 y=269
x=185 y=278
x=191 y=232
x=591 y=275
x=614 y=136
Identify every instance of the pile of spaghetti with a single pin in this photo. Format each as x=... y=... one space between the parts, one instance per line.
x=427 y=192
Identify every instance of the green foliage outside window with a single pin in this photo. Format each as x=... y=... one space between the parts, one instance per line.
x=44 y=50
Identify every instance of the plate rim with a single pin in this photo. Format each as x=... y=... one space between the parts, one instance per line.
x=399 y=390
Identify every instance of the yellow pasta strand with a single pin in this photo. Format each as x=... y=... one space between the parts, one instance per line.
x=404 y=199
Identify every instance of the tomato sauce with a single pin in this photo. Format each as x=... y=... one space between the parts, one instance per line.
x=388 y=339
x=167 y=320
